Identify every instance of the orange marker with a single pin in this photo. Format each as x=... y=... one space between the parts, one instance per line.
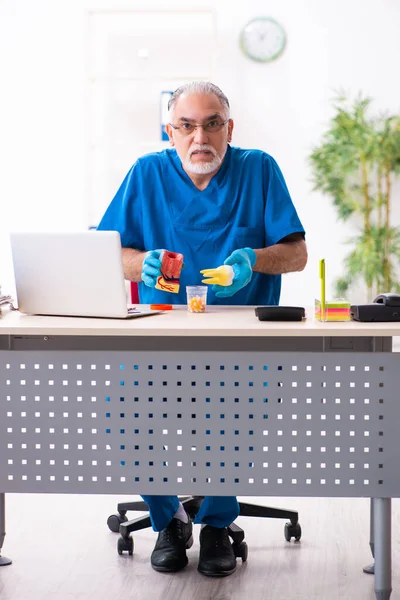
x=161 y=306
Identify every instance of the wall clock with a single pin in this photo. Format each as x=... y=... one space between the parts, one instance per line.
x=263 y=39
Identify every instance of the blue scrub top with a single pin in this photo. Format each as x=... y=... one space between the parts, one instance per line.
x=246 y=204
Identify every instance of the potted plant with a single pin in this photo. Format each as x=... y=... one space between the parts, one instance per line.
x=355 y=164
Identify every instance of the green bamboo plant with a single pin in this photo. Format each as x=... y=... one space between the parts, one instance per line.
x=356 y=164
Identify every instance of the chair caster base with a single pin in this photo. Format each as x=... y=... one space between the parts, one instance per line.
x=125 y=545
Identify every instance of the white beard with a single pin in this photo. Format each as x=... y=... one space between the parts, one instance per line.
x=202 y=168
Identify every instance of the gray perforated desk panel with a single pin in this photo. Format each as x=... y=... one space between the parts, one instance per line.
x=236 y=415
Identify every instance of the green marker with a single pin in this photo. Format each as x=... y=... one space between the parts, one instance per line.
x=322 y=281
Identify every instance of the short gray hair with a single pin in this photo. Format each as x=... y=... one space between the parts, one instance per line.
x=199 y=87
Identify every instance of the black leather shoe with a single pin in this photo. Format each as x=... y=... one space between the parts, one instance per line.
x=217 y=557
x=169 y=553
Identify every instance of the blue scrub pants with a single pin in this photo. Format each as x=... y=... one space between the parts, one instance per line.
x=218 y=511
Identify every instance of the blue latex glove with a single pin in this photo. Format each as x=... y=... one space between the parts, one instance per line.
x=151 y=268
x=242 y=261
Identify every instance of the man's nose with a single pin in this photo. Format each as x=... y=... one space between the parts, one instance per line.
x=200 y=136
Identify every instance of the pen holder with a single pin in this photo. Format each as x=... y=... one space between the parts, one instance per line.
x=171 y=267
x=335 y=310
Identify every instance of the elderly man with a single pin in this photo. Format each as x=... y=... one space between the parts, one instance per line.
x=215 y=204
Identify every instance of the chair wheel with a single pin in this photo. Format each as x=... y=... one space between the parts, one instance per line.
x=114 y=521
x=292 y=531
x=125 y=545
x=241 y=550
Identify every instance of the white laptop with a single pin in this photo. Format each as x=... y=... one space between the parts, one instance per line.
x=71 y=274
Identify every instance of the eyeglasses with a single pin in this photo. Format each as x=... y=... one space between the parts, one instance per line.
x=211 y=127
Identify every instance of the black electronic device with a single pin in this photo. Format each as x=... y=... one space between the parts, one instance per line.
x=385 y=308
x=280 y=313
x=388 y=299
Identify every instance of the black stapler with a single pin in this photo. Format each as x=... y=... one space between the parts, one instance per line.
x=385 y=308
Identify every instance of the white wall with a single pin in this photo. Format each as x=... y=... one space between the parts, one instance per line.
x=281 y=107
x=41 y=119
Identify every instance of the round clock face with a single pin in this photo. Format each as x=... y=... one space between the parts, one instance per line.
x=263 y=39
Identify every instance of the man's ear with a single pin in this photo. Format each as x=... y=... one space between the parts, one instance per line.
x=230 y=129
x=168 y=129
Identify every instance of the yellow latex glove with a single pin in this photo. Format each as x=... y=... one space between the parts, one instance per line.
x=220 y=276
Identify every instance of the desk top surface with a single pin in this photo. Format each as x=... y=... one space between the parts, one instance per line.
x=217 y=321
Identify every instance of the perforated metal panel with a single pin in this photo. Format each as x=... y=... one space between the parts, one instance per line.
x=257 y=423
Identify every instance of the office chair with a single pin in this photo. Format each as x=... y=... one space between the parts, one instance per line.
x=119 y=522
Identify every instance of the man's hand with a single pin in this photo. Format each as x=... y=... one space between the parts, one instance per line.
x=242 y=261
x=151 y=268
